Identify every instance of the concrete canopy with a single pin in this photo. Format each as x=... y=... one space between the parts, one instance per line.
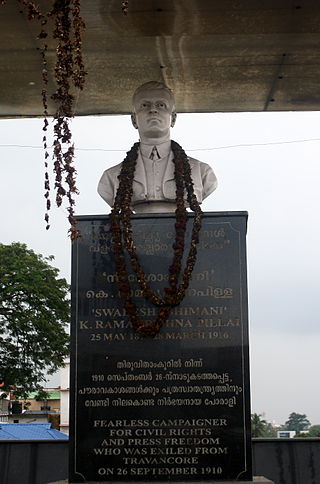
x=230 y=55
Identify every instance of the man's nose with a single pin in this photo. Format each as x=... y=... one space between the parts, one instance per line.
x=153 y=108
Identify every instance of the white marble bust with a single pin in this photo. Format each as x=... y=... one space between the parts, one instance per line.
x=154 y=185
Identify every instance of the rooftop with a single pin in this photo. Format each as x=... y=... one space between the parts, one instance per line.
x=235 y=55
x=29 y=431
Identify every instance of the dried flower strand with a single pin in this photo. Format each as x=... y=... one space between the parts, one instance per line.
x=69 y=71
x=122 y=239
x=125 y=7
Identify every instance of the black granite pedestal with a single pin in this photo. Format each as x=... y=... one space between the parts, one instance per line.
x=256 y=480
x=174 y=407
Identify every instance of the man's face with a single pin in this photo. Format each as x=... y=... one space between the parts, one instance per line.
x=153 y=114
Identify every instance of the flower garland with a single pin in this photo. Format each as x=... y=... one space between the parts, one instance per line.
x=68 y=71
x=125 y=7
x=121 y=229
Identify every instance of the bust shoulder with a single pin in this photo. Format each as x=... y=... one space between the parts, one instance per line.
x=113 y=171
x=108 y=184
x=202 y=171
x=195 y=162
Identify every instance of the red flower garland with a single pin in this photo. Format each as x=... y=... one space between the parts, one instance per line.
x=69 y=70
x=121 y=229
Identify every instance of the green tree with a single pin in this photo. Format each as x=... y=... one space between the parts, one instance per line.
x=269 y=431
x=258 y=425
x=314 y=431
x=297 y=422
x=34 y=311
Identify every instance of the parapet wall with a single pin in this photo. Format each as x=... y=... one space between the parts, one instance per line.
x=284 y=461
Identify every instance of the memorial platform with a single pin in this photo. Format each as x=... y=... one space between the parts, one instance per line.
x=174 y=407
x=256 y=480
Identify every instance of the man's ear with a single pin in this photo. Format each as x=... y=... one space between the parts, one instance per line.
x=134 y=121
x=173 y=119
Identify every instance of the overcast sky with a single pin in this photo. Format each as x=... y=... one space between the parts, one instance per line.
x=261 y=169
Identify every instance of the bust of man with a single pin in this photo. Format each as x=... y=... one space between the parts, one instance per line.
x=153 y=186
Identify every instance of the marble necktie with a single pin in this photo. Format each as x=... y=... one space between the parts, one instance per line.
x=154 y=155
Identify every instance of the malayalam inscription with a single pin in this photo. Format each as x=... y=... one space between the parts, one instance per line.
x=175 y=406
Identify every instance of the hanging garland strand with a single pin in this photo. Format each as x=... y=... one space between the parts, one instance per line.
x=69 y=72
x=121 y=229
x=125 y=7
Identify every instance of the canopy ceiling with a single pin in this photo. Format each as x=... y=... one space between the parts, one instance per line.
x=230 y=55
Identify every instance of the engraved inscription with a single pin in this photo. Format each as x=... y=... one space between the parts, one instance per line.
x=175 y=406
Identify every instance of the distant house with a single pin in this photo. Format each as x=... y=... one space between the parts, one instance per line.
x=64 y=397
x=50 y=403
x=30 y=416
x=29 y=431
x=286 y=434
x=4 y=407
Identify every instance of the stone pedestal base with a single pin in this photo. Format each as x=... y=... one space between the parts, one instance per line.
x=154 y=422
x=256 y=480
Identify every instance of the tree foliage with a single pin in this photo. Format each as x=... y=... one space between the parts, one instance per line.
x=269 y=431
x=297 y=422
x=34 y=311
x=258 y=425
x=313 y=431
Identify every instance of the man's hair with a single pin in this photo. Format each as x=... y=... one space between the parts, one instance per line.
x=151 y=85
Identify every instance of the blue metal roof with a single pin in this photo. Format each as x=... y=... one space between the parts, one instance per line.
x=27 y=431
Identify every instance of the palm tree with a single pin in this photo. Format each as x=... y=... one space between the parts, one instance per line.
x=258 y=425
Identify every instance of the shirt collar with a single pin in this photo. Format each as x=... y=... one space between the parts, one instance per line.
x=163 y=149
